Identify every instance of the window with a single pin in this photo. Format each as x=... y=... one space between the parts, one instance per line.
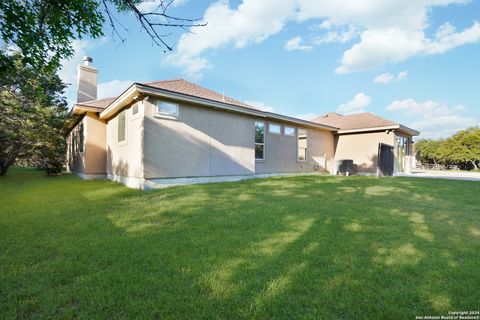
x=167 y=109
x=80 y=138
x=274 y=128
x=121 y=127
x=135 y=109
x=259 y=140
x=289 y=131
x=302 y=145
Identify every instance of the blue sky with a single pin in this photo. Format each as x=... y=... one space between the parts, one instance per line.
x=415 y=62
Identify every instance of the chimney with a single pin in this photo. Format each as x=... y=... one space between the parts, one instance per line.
x=87 y=81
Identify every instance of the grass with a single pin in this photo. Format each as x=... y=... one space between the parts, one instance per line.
x=313 y=247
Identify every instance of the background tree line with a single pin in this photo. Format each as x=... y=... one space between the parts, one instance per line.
x=462 y=150
x=35 y=36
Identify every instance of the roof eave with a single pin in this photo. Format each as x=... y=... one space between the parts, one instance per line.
x=398 y=127
x=136 y=89
x=121 y=101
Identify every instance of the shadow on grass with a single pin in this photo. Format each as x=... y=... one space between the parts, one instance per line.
x=298 y=247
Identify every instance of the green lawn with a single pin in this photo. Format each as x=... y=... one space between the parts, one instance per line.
x=314 y=247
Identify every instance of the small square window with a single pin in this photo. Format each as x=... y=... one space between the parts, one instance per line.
x=274 y=128
x=167 y=109
x=289 y=131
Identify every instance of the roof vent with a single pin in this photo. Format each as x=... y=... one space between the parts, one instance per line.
x=87 y=60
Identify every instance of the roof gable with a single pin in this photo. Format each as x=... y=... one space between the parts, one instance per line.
x=186 y=87
x=364 y=120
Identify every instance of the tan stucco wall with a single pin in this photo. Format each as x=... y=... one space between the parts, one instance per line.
x=125 y=158
x=281 y=152
x=202 y=142
x=93 y=158
x=95 y=144
x=362 y=148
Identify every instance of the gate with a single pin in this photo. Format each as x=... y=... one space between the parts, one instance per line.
x=385 y=160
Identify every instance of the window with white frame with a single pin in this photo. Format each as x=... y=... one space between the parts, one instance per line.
x=122 y=127
x=135 y=109
x=168 y=109
x=289 y=131
x=274 y=128
x=259 y=140
x=302 y=144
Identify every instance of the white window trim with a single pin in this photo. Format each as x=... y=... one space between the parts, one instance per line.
x=123 y=142
x=264 y=143
x=158 y=114
x=306 y=149
x=293 y=134
x=136 y=115
x=279 y=133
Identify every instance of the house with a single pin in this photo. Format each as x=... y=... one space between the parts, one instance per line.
x=171 y=132
x=364 y=136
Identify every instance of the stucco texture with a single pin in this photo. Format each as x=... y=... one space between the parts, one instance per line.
x=125 y=158
x=92 y=159
x=201 y=142
x=362 y=148
x=281 y=152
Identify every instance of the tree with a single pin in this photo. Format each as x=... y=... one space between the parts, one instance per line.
x=461 y=150
x=464 y=148
x=43 y=30
x=32 y=116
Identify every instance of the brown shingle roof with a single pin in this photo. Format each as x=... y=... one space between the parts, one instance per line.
x=178 y=86
x=191 y=89
x=354 y=121
x=99 y=104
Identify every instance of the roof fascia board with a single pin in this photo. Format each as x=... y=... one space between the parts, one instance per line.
x=119 y=102
x=277 y=116
x=392 y=127
x=409 y=130
x=229 y=107
x=137 y=88
x=197 y=100
x=81 y=109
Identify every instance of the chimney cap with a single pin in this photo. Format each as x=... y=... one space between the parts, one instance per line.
x=87 y=60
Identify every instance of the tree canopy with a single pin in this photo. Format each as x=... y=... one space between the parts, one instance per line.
x=32 y=116
x=35 y=36
x=461 y=150
x=43 y=30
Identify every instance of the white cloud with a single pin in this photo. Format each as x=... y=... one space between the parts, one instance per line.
x=433 y=119
x=112 y=88
x=358 y=104
x=341 y=36
x=296 y=44
x=306 y=116
x=379 y=47
x=424 y=109
x=386 y=78
x=402 y=75
x=389 y=31
x=154 y=5
x=252 y=22
x=442 y=126
x=260 y=105
x=447 y=38
x=326 y=24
